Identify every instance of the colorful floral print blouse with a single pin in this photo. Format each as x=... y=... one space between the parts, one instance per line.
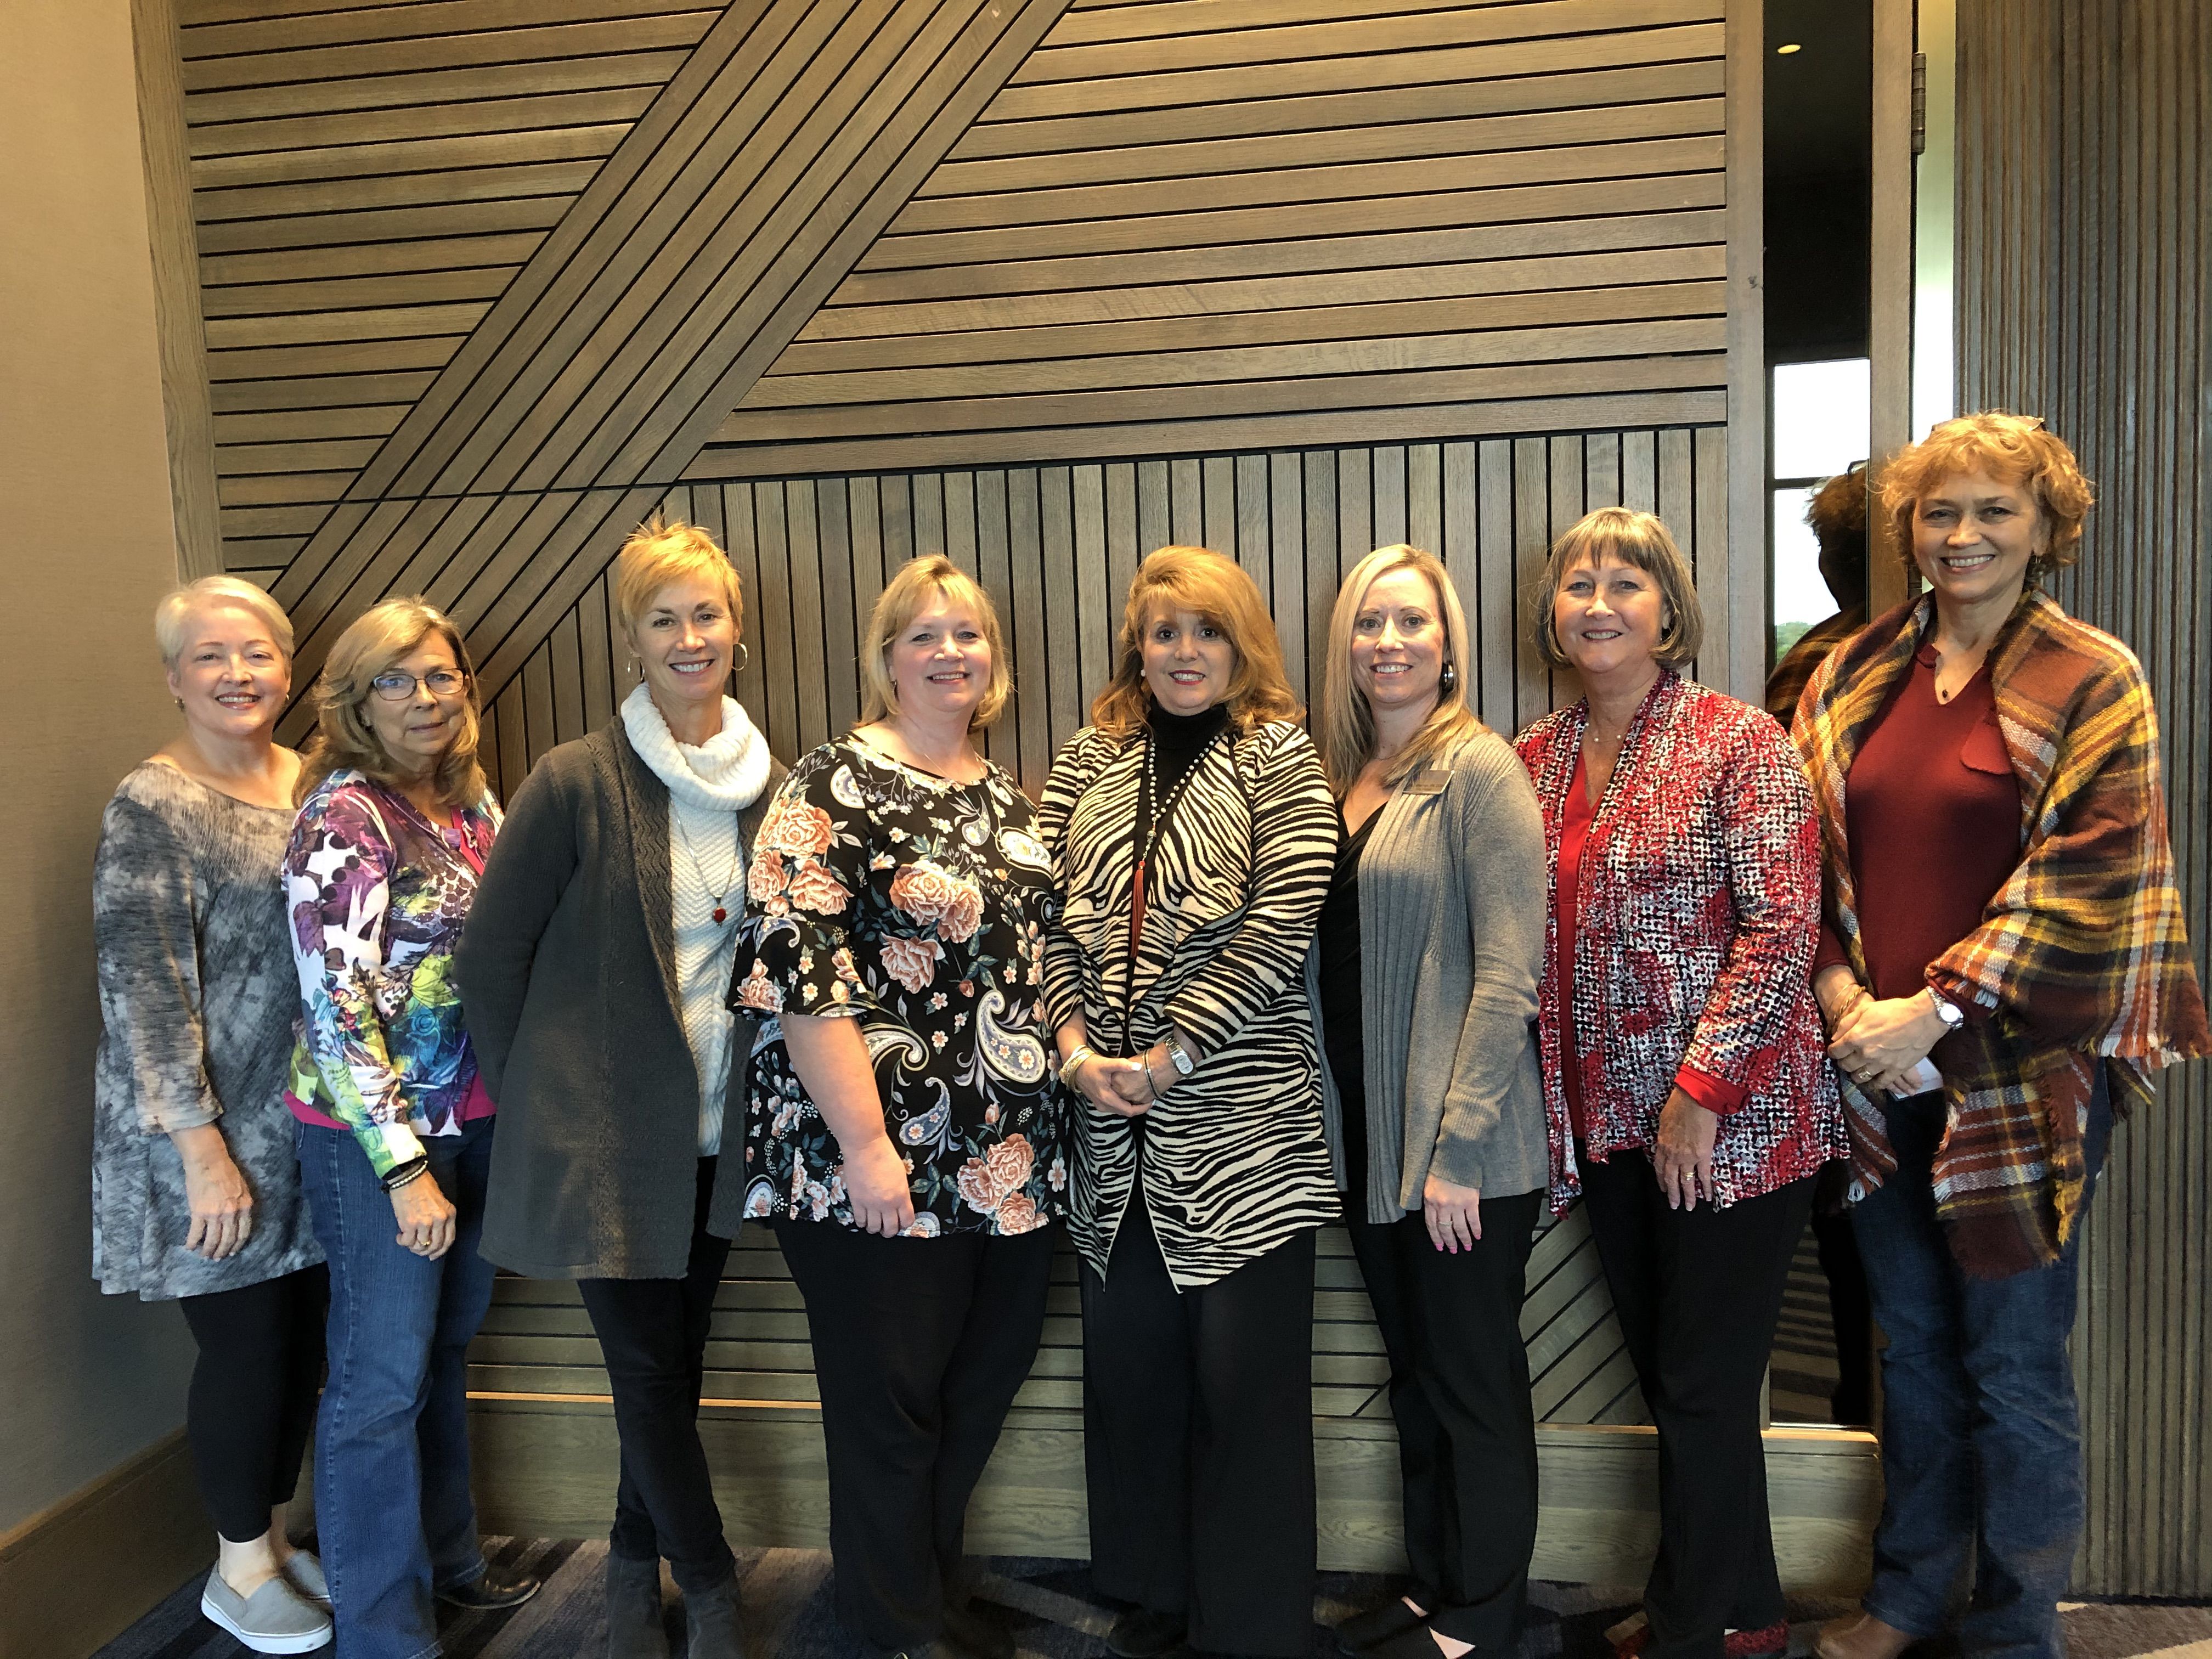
x=915 y=905
x=377 y=895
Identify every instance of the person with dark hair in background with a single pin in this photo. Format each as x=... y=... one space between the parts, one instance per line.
x=1838 y=517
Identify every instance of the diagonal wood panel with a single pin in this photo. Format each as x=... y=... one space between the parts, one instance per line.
x=737 y=201
x=1213 y=226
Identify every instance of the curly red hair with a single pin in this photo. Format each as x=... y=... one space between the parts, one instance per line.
x=2015 y=449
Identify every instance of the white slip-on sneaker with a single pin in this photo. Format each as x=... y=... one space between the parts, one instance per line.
x=305 y=1571
x=275 y=1619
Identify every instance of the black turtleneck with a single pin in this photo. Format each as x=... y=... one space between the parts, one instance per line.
x=1177 y=739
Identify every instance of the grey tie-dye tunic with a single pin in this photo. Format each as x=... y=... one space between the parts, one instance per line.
x=196 y=1001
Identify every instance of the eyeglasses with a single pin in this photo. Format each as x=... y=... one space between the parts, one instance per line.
x=398 y=685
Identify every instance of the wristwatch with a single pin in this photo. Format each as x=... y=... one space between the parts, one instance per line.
x=1180 y=1056
x=1948 y=1012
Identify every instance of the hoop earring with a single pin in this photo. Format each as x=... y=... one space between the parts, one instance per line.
x=744 y=657
x=1450 y=678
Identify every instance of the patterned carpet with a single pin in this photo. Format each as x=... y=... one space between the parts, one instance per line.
x=1048 y=1605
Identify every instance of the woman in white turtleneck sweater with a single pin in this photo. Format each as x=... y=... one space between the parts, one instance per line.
x=598 y=962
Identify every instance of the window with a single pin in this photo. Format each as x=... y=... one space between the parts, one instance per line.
x=1821 y=427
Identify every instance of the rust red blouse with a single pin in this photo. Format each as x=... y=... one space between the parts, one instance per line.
x=1691 y=922
x=1932 y=809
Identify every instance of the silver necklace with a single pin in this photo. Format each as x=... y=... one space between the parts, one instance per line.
x=737 y=862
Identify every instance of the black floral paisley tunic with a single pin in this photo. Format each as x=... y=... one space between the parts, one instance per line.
x=916 y=905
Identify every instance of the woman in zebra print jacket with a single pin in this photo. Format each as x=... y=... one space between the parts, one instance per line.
x=1193 y=836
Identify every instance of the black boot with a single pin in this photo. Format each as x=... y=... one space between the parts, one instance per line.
x=710 y=1617
x=634 y=1626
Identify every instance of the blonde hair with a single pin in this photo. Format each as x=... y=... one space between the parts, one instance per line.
x=919 y=581
x=1639 y=539
x=2013 y=448
x=379 y=640
x=175 y=610
x=1347 y=724
x=663 y=550
x=1215 y=586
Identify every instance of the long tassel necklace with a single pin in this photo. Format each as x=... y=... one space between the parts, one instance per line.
x=1155 y=820
x=736 y=863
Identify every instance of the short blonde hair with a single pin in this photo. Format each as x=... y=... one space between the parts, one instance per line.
x=175 y=611
x=1347 y=724
x=1217 y=588
x=1639 y=539
x=919 y=582
x=380 y=639
x=2013 y=448
x=663 y=550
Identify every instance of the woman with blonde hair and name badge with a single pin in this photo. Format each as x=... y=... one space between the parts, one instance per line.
x=905 y=1127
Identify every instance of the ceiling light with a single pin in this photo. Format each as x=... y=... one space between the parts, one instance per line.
x=1783 y=51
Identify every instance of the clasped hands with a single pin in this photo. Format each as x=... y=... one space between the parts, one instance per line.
x=1876 y=1041
x=1126 y=1088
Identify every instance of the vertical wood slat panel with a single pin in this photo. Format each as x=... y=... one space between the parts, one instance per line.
x=2084 y=251
x=1056 y=546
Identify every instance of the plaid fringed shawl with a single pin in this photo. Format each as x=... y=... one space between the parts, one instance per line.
x=2081 y=954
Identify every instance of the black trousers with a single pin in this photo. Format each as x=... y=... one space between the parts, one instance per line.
x=653 y=1334
x=253 y=1396
x=1198 y=1441
x=1467 y=1428
x=920 y=1346
x=1697 y=1292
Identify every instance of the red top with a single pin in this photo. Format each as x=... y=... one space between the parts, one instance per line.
x=1576 y=813
x=1932 y=811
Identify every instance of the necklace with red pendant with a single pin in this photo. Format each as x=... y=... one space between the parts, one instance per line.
x=736 y=863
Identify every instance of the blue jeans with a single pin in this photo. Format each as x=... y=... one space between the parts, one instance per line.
x=1981 y=1439
x=393 y=1513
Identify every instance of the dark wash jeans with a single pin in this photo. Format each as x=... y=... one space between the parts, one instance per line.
x=1981 y=1439
x=393 y=1512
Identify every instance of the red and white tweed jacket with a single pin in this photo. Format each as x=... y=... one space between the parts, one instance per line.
x=1698 y=911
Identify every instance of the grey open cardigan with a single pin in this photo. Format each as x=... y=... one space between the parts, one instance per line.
x=567 y=976
x=1451 y=945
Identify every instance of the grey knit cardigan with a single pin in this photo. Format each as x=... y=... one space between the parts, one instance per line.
x=567 y=976
x=1451 y=945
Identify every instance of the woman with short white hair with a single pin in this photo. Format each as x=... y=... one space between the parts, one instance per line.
x=196 y=1190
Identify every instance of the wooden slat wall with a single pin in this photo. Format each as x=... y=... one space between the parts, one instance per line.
x=2085 y=253
x=536 y=1341
x=1193 y=227
x=1055 y=546
x=366 y=183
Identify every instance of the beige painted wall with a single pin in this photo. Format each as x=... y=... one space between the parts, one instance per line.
x=86 y=547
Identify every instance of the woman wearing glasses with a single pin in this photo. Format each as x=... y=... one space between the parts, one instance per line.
x=396 y=1132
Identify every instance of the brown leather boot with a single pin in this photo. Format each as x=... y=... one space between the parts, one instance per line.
x=1860 y=1636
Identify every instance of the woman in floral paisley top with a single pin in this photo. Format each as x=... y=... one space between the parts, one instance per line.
x=394 y=1126
x=905 y=1123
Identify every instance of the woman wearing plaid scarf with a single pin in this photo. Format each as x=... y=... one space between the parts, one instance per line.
x=2002 y=966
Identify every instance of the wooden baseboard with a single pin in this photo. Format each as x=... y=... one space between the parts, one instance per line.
x=547 y=1468
x=78 y=1574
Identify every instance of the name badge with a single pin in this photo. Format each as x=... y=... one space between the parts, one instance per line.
x=1429 y=781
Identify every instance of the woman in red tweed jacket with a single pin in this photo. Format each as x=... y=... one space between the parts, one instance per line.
x=1688 y=1092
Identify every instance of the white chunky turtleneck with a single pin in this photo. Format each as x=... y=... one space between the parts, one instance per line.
x=708 y=785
